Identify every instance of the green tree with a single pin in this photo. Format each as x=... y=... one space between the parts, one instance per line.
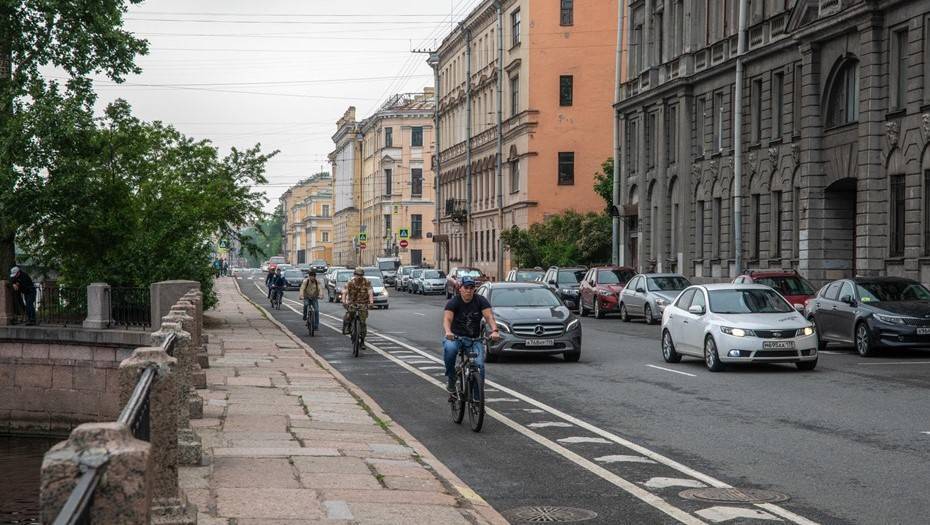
x=604 y=183
x=40 y=39
x=266 y=236
x=561 y=240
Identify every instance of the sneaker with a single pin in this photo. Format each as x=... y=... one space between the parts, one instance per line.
x=450 y=385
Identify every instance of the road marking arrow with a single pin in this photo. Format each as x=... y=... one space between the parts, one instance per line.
x=721 y=514
x=664 y=483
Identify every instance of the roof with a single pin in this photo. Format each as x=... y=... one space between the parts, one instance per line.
x=510 y=284
x=661 y=275
x=731 y=286
x=883 y=280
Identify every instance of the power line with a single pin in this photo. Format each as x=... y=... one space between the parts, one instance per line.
x=273 y=22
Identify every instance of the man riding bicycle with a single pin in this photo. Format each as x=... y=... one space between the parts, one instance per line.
x=277 y=284
x=310 y=294
x=462 y=319
x=269 y=278
x=358 y=296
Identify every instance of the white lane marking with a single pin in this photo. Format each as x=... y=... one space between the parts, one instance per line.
x=927 y=433
x=672 y=371
x=530 y=410
x=431 y=367
x=501 y=400
x=420 y=362
x=547 y=424
x=664 y=483
x=720 y=514
x=659 y=458
x=896 y=363
x=418 y=313
x=619 y=458
x=582 y=439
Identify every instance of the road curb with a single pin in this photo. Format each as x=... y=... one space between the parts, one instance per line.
x=478 y=505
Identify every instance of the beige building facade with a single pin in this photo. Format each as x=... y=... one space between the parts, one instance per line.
x=346 y=169
x=308 y=226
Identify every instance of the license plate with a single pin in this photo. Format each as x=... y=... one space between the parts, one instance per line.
x=540 y=342
x=923 y=331
x=778 y=345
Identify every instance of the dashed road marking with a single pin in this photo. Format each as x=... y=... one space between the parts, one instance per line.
x=896 y=363
x=501 y=400
x=664 y=483
x=620 y=458
x=546 y=424
x=582 y=439
x=721 y=514
x=672 y=371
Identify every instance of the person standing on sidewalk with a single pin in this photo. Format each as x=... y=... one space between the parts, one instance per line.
x=25 y=292
x=310 y=294
x=360 y=295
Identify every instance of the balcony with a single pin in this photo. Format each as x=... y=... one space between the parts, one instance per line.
x=455 y=210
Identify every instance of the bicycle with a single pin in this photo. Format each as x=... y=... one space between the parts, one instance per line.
x=356 y=329
x=469 y=386
x=311 y=313
x=276 y=295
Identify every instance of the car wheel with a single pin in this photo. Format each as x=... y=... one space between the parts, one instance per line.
x=624 y=315
x=582 y=311
x=647 y=313
x=387 y=306
x=572 y=357
x=864 y=341
x=668 y=349
x=806 y=365
x=598 y=314
x=711 y=358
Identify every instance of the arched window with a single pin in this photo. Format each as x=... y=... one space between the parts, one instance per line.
x=843 y=94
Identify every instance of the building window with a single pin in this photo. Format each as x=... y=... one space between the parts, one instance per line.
x=388 y=137
x=755 y=100
x=797 y=93
x=325 y=237
x=388 y=183
x=514 y=96
x=326 y=210
x=416 y=137
x=678 y=20
x=775 y=224
x=899 y=69
x=671 y=130
x=633 y=149
x=650 y=140
x=416 y=226
x=699 y=112
x=778 y=101
x=926 y=208
x=567 y=17
x=755 y=209
x=718 y=122
x=514 y=176
x=843 y=97
x=927 y=59
x=636 y=57
x=566 y=89
x=715 y=219
x=416 y=182
x=897 y=215
x=796 y=221
x=566 y=168
x=515 y=27
x=658 y=29
x=699 y=229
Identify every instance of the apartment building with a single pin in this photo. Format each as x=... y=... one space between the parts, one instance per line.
x=307 y=228
x=346 y=167
x=555 y=72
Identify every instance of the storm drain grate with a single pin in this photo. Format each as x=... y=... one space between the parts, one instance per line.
x=734 y=495
x=548 y=514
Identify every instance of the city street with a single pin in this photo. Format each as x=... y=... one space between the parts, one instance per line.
x=622 y=433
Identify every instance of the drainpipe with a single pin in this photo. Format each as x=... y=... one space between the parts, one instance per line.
x=738 y=139
x=615 y=220
x=468 y=181
x=500 y=140
x=437 y=189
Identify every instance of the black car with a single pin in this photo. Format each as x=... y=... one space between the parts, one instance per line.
x=872 y=313
x=525 y=275
x=293 y=278
x=318 y=266
x=565 y=281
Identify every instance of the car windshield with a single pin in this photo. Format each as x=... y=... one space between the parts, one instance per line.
x=529 y=297
x=387 y=265
x=528 y=276
x=416 y=273
x=433 y=274
x=375 y=282
x=668 y=284
x=293 y=275
x=614 y=276
x=374 y=272
x=890 y=291
x=749 y=301
x=571 y=276
x=787 y=285
x=342 y=277
x=469 y=273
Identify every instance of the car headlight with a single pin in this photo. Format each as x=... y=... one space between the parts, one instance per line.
x=503 y=327
x=574 y=323
x=384 y=293
x=737 y=332
x=661 y=302
x=807 y=330
x=890 y=319
x=605 y=292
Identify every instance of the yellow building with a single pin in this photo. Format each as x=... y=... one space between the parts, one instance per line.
x=308 y=223
x=346 y=163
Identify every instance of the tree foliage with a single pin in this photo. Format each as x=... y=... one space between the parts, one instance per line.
x=561 y=240
x=604 y=182
x=267 y=236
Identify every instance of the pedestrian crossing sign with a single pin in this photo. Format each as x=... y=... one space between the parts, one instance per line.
x=403 y=233
x=363 y=237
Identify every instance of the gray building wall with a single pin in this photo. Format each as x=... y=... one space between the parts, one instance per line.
x=818 y=195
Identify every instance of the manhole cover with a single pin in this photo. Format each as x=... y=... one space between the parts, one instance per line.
x=733 y=495
x=548 y=514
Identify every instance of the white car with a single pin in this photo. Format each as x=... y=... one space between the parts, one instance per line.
x=737 y=323
x=379 y=291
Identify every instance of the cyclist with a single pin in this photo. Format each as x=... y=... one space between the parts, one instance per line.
x=310 y=294
x=269 y=278
x=462 y=318
x=277 y=284
x=360 y=294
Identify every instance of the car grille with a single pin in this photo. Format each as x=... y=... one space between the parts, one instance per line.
x=776 y=334
x=529 y=329
x=916 y=322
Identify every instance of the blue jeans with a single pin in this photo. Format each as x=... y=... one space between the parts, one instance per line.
x=450 y=350
x=316 y=311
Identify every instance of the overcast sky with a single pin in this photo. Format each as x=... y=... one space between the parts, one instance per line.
x=279 y=72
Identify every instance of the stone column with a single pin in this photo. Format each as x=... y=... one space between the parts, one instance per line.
x=189 y=325
x=200 y=340
x=169 y=504
x=98 y=306
x=6 y=303
x=124 y=495
x=163 y=296
x=189 y=403
x=812 y=252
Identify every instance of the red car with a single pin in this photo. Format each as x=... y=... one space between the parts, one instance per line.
x=789 y=283
x=454 y=279
x=600 y=289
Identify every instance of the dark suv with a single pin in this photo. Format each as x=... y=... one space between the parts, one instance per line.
x=871 y=313
x=789 y=283
x=565 y=282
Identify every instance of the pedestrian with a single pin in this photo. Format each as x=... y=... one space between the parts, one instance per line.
x=225 y=268
x=310 y=294
x=25 y=292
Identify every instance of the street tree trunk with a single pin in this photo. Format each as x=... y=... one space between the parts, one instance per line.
x=7 y=176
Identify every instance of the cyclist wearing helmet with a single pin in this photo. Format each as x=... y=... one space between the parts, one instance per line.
x=359 y=294
x=462 y=319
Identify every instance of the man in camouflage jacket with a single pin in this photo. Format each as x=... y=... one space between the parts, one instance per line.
x=360 y=295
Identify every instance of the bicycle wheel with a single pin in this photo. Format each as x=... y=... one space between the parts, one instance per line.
x=310 y=314
x=475 y=401
x=457 y=400
x=356 y=337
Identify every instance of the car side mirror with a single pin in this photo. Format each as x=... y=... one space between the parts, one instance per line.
x=696 y=309
x=551 y=283
x=848 y=300
x=799 y=307
x=640 y=290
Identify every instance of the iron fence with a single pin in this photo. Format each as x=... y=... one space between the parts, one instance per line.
x=56 y=305
x=130 y=307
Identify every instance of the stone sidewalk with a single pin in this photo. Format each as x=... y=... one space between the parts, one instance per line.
x=288 y=440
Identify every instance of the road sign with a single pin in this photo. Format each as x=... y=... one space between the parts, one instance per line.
x=363 y=237
x=404 y=243
x=403 y=233
x=362 y=246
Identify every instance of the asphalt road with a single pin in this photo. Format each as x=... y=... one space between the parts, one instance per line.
x=622 y=433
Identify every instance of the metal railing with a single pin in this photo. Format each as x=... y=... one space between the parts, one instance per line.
x=57 y=305
x=135 y=415
x=130 y=307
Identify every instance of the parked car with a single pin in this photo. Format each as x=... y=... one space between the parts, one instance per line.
x=431 y=281
x=293 y=278
x=454 y=279
x=388 y=267
x=872 y=313
x=403 y=276
x=789 y=283
x=413 y=281
x=284 y=267
x=648 y=294
x=336 y=285
x=566 y=283
x=525 y=275
x=379 y=291
x=531 y=320
x=319 y=266
x=600 y=289
x=737 y=323
x=330 y=272
x=371 y=271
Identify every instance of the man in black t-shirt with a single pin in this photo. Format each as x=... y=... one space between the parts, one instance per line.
x=462 y=319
